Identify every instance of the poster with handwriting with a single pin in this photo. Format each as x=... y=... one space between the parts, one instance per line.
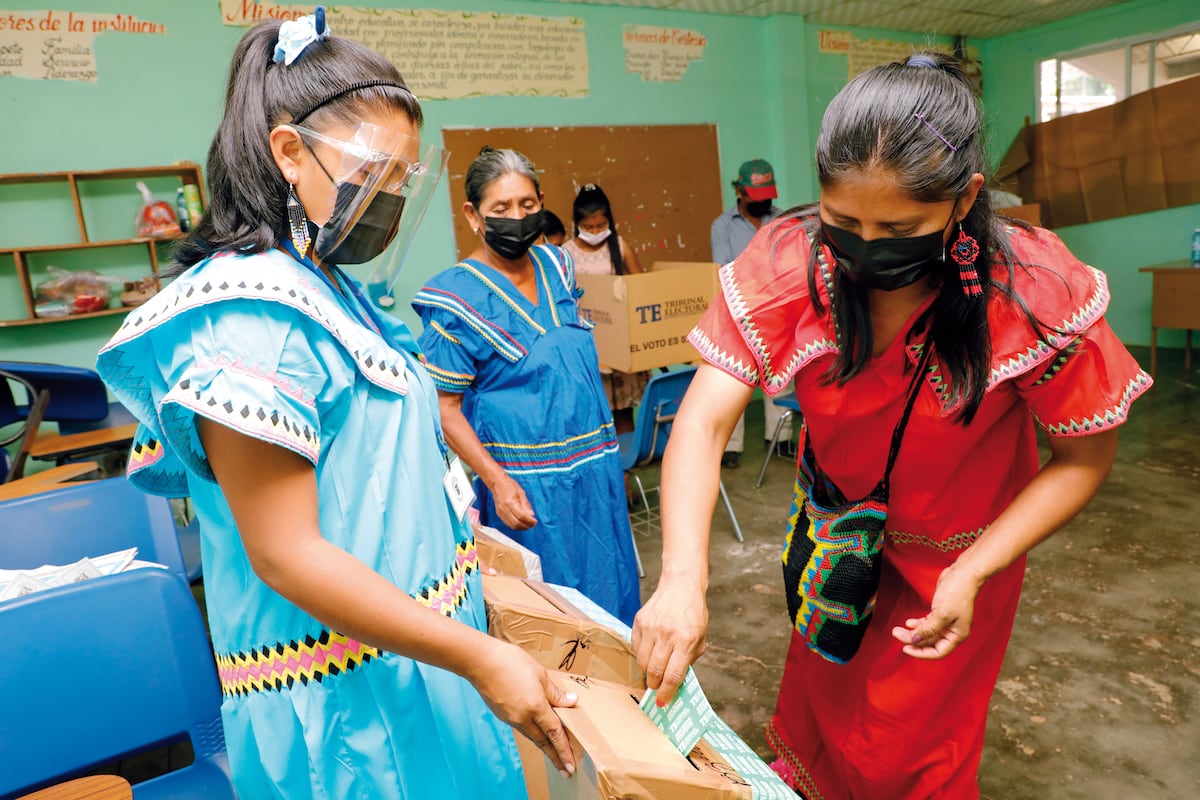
x=661 y=54
x=59 y=45
x=862 y=54
x=445 y=55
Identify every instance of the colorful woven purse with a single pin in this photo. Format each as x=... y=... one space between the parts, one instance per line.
x=833 y=555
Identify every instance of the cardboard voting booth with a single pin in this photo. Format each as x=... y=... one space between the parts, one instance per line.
x=642 y=321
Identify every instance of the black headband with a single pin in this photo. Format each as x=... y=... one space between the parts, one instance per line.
x=354 y=87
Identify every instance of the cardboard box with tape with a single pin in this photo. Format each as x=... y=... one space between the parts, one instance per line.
x=559 y=636
x=621 y=755
x=622 y=750
x=505 y=555
x=642 y=321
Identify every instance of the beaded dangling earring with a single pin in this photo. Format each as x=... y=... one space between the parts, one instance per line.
x=298 y=221
x=964 y=251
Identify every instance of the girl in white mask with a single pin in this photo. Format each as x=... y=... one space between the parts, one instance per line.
x=598 y=249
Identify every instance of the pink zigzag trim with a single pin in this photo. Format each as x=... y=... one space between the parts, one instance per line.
x=254 y=371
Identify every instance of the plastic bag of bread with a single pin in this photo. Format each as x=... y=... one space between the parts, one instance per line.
x=156 y=219
x=73 y=292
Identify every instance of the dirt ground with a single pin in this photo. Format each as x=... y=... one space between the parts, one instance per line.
x=1098 y=696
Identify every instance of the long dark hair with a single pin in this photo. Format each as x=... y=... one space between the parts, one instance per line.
x=591 y=198
x=919 y=121
x=247 y=194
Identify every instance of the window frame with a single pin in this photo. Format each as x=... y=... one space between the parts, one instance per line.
x=1127 y=44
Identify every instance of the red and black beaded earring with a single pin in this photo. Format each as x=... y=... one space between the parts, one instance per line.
x=964 y=251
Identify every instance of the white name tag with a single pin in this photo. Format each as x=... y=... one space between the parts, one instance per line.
x=458 y=488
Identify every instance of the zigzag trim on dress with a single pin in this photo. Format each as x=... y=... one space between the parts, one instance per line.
x=267 y=424
x=797 y=776
x=1070 y=327
x=1106 y=419
x=956 y=541
x=280 y=666
x=375 y=360
x=773 y=381
x=721 y=359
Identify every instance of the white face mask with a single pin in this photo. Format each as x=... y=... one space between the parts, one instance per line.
x=595 y=238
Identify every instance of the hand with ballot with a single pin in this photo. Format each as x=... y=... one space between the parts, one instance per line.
x=669 y=632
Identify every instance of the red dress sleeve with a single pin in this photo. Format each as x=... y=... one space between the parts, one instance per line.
x=762 y=328
x=1079 y=378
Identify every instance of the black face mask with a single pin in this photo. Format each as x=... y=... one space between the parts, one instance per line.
x=886 y=264
x=759 y=209
x=512 y=238
x=371 y=234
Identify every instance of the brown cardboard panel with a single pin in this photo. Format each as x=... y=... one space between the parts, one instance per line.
x=1176 y=107
x=1017 y=159
x=1181 y=165
x=1093 y=136
x=620 y=755
x=499 y=556
x=1103 y=190
x=1028 y=212
x=557 y=635
x=1134 y=127
x=642 y=321
x=1056 y=145
x=1066 y=198
x=664 y=181
x=1144 y=182
x=534 y=764
x=1070 y=166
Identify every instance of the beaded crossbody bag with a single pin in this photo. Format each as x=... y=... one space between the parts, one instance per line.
x=832 y=557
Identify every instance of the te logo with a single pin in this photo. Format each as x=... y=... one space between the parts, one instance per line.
x=650 y=313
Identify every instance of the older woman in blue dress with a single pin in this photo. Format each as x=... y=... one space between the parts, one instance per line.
x=342 y=584
x=522 y=403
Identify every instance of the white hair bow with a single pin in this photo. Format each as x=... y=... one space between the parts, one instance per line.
x=297 y=34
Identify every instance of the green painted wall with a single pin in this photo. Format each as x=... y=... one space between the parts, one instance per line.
x=762 y=81
x=158 y=100
x=1116 y=246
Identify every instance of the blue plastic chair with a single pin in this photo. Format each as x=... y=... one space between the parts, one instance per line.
x=104 y=669
x=791 y=407
x=78 y=398
x=12 y=468
x=648 y=440
x=91 y=519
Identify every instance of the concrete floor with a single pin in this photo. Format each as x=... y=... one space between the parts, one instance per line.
x=1098 y=696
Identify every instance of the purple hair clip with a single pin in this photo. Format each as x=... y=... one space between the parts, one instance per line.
x=945 y=141
x=922 y=60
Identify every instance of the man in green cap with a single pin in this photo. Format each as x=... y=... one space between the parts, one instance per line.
x=731 y=232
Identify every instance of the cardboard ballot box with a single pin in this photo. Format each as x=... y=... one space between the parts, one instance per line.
x=506 y=555
x=559 y=636
x=620 y=754
x=642 y=321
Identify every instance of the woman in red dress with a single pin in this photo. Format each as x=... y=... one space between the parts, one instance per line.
x=902 y=253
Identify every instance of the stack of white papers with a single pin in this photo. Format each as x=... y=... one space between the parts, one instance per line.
x=20 y=582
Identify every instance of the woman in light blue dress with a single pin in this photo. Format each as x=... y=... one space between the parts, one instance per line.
x=342 y=584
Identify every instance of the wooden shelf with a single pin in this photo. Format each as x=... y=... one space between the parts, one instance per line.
x=108 y=312
x=51 y=248
x=187 y=173
x=184 y=169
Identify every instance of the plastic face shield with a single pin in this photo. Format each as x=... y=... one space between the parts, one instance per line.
x=384 y=181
